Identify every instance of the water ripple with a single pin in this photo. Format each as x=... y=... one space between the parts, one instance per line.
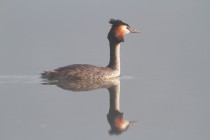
x=4 y=79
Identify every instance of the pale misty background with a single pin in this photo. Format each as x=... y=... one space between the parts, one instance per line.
x=165 y=68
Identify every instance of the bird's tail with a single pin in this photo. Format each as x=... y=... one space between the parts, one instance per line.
x=50 y=75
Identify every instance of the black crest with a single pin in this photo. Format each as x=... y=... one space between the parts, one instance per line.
x=117 y=22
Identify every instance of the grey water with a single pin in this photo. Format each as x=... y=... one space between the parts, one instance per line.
x=164 y=89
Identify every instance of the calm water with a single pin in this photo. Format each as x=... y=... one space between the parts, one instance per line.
x=164 y=90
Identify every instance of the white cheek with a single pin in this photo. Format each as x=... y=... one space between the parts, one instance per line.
x=125 y=30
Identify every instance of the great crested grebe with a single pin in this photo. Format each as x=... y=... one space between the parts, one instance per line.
x=84 y=71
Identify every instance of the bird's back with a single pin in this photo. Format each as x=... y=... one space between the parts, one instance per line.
x=81 y=71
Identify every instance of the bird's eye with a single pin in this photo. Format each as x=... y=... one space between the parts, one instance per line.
x=128 y=28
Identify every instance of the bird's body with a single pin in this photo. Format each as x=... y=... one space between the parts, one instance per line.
x=81 y=72
x=85 y=71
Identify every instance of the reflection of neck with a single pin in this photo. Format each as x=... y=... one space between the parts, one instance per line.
x=114 y=98
x=114 y=55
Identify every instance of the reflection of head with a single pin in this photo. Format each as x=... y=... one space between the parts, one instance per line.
x=117 y=122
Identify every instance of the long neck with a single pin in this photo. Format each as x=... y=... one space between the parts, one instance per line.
x=114 y=61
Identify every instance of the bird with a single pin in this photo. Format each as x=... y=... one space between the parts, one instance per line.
x=86 y=71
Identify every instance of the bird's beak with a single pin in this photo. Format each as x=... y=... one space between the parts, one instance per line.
x=134 y=31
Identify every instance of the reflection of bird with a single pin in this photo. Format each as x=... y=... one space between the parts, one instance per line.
x=115 y=117
x=83 y=85
x=84 y=71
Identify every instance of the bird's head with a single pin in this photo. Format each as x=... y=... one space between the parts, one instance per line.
x=118 y=30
